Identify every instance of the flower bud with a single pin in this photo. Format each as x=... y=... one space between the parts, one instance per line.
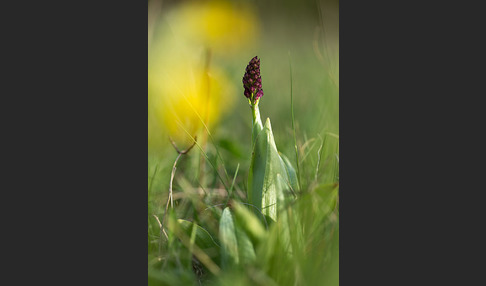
x=252 y=81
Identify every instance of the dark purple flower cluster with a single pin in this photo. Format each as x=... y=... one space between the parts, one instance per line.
x=252 y=81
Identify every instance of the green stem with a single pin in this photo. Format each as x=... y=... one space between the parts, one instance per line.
x=257 y=123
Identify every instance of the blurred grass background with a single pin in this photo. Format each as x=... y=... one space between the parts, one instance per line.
x=197 y=54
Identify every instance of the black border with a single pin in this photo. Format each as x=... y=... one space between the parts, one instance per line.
x=410 y=119
x=409 y=137
x=76 y=113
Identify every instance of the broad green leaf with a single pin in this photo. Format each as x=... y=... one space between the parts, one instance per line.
x=227 y=237
x=246 y=251
x=265 y=190
x=236 y=246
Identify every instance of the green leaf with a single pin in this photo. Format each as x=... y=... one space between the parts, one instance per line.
x=236 y=246
x=246 y=251
x=227 y=237
x=266 y=191
x=250 y=223
x=292 y=175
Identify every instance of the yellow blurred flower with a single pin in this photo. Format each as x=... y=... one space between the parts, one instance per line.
x=184 y=97
x=222 y=26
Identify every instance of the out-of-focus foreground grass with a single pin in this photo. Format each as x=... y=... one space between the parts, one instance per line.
x=196 y=58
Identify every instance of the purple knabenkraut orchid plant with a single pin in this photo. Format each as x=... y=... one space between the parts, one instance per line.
x=271 y=175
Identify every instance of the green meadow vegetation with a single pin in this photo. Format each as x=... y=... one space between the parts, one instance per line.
x=243 y=191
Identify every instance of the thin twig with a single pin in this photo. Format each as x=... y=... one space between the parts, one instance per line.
x=184 y=151
x=319 y=155
x=170 y=199
x=173 y=172
x=160 y=226
x=170 y=183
